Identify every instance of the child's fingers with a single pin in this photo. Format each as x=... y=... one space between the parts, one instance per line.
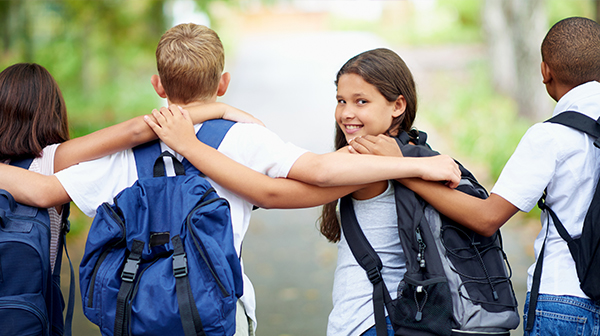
x=359 y=146
x=159 y=116
x=153 y=125
x=185 y=114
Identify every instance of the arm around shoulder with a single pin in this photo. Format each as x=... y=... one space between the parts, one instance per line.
x=31 y=188
x=484 y=216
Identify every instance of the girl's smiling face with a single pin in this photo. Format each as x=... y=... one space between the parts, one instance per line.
x=362 y=109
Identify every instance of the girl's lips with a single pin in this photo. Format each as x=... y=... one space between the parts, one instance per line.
x=350 y=129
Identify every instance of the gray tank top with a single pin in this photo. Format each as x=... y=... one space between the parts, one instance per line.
x=352 y=312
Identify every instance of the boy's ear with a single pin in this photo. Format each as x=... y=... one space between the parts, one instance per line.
x=546 y=73
x=223 y=83
x=155 y=80
x=399 y=106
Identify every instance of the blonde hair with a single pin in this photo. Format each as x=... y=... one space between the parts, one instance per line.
x=190 y=61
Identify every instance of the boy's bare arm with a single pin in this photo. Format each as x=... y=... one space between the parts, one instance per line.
x=31 y=188
x=341 y=168
x=178 y=133
x=134 y=132
x=484 y=216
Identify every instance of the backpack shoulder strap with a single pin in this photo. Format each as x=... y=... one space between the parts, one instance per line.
x=23 y=163
x=580 y=122
x=211 y=133
x=368 y=259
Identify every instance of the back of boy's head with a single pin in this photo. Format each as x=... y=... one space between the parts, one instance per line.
x=572 y=51
x=190 y=61
x=387 y=72
x=33 y=114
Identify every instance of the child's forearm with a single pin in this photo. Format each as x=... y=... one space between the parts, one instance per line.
x=346 y=169
x=131 y=133
x=103 y=142
x=484 y=216
x=257 y=188
x=31 y=188
x=201 y=113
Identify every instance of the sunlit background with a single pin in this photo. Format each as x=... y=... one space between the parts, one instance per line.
x=476 y=64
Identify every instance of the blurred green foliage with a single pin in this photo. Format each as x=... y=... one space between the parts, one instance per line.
x=102 y=55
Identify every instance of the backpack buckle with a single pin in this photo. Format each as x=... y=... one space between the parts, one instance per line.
x=180 y=265
x=374 y=275
x=130 y=270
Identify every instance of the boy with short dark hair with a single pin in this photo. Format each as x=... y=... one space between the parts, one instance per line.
x=550 y=158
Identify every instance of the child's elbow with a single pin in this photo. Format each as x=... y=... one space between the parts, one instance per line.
x=321 y=176
x=488 y=226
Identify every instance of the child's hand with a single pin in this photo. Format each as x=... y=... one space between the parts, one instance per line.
x=441 y=168
x=173 y=126
x=234 y=114
x=378 y=145
x=204 y=112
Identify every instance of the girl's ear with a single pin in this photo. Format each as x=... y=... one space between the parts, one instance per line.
x=399 y=106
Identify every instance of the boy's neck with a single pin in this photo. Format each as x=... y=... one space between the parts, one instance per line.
x=193 y=103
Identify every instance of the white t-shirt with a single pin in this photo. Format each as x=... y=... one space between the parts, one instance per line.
x=45 y=166
x=352 y=312
x=565 y=163
x=89 y=184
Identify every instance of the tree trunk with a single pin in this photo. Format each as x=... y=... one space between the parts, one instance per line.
x=515 y=30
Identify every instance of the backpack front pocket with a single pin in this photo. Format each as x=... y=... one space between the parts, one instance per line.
x=23 y=315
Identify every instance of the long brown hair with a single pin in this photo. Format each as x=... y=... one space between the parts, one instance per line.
x=33 y=114
x=387 y=72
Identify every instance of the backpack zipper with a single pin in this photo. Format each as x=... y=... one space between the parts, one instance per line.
x=100 y=260
x=28 y=307
x=200 y=247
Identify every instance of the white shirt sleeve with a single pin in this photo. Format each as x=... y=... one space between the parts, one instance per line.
x=260 y=149
x=45 y=164
x=530 y=169
x=91 y=183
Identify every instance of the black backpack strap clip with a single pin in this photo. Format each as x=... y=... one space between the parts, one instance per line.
x=190 y=318
x=128 y=276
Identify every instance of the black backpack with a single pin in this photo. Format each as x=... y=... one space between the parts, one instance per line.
x=31 y=301
x=584 y=249
x=456 y=283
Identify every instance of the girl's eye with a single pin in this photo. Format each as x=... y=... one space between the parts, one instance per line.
x=341 y=101
x=361 y=102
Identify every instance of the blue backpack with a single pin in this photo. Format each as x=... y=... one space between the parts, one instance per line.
x=161 y=260
x=31 y=301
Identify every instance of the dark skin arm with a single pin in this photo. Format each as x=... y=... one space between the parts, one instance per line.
x=484 y=216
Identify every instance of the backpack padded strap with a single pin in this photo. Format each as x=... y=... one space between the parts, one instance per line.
x=23 y=163
x=580 y=122
x=211 y=133
x=368 y=259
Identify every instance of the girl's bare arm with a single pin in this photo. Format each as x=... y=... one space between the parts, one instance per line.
x=133 y=132
x=256 y=188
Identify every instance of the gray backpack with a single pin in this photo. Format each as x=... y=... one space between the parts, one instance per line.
x=457 y=282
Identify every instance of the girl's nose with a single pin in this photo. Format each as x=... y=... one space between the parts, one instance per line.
x=347 y=113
